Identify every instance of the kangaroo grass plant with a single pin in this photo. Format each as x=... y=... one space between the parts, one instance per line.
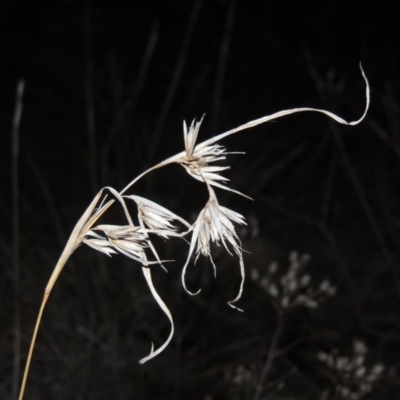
x=214 y=224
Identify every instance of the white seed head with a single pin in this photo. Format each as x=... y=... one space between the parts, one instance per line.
x=190 y=136
x=99 y=243
x=214 y=225
x=197 y=159
x=128 y=240
x=157 y=218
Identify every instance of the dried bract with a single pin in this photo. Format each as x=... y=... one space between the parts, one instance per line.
x=214 y=225
x=127 y=239
x=99 y=243
x=157 y=218
x=197 y=159
x=190 y=136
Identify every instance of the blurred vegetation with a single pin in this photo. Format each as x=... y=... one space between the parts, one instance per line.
x=107 y=88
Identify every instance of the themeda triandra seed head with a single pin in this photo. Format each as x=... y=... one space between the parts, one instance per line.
x=157 y=218
x=197 y=159
x=214 y=225
x=129 y=240
x=190 y=136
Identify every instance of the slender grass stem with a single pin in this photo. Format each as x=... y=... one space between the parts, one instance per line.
x=33 y=341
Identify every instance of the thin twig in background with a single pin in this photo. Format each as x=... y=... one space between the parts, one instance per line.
x=143 y=70
x=361 y=194
x=222 y=62
x=89 y=98
x=176 y=76
x=331 y=241
x=356 y=182
x=272 y=353
x=329 y=189
x=48 y=199
x=128 y=108
x=16 y=234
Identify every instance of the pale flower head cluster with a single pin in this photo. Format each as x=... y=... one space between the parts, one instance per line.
x=215 y=224
x=134 y=240
x=156 y=218
x=198 y=160
x=293 y=288
x=130 y=241
x=352 y=375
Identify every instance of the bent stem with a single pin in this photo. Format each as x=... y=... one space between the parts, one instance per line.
x=85 y=223
x=33 y=340
x=199 y=156
x=47 y=292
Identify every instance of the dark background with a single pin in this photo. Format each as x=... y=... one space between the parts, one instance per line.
x=107 y=87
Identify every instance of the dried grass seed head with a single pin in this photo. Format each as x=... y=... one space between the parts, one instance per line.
x=157 y=218
x=190 y=136
x=131 y=241
x=206 y=152
x=128 y=240
x=197 y=159
x=99 y=243
x=215 y=225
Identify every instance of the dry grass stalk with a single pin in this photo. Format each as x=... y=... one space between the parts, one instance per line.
x=215 y=223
